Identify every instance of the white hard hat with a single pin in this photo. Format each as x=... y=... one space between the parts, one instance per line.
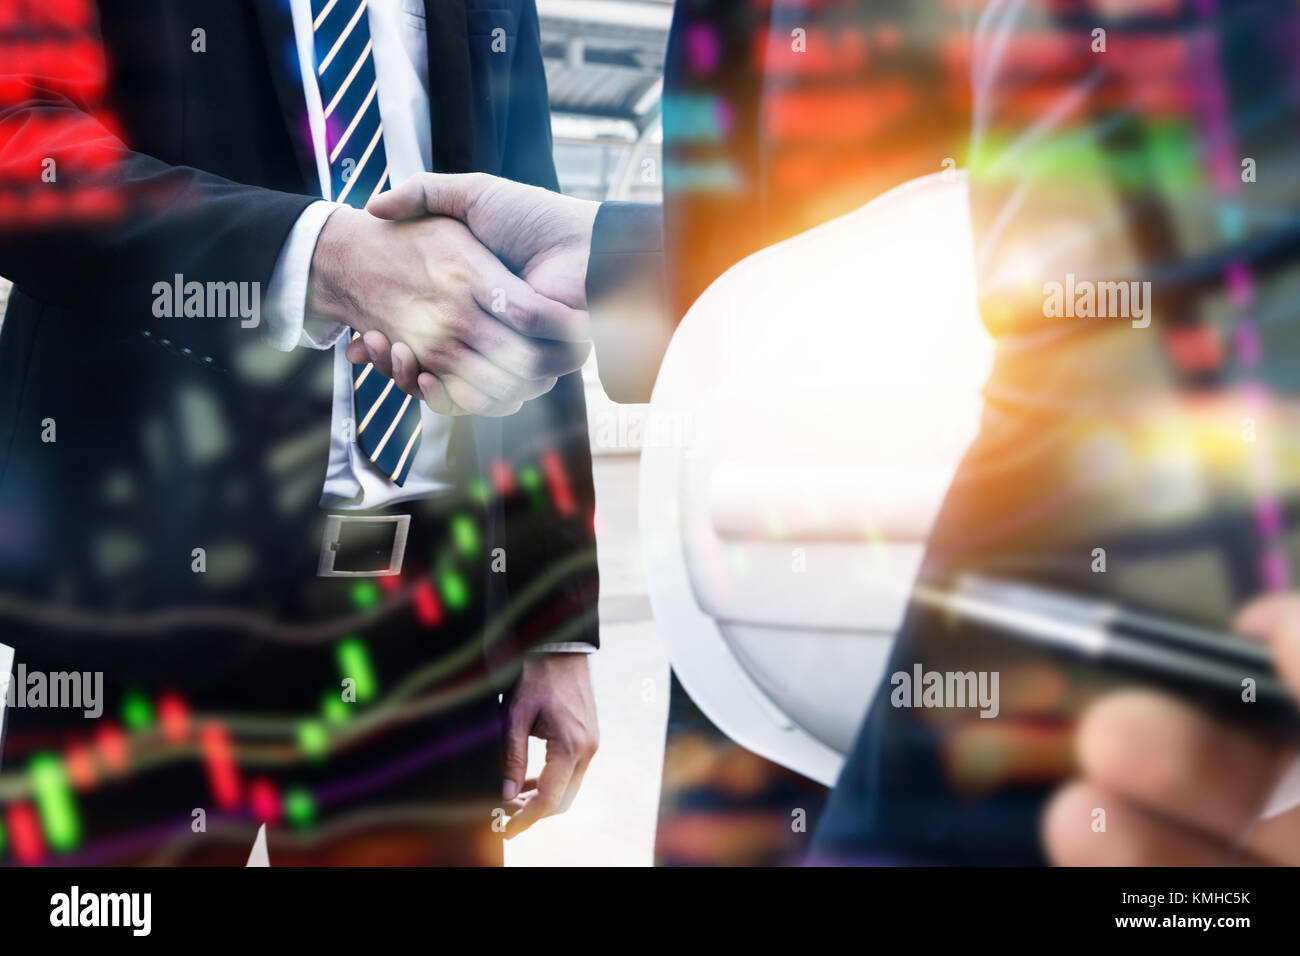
x=812 y=408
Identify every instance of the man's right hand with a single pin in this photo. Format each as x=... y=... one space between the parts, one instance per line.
x=543 y=236
x=473 y=337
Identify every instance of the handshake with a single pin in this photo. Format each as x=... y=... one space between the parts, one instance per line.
x=467 y=290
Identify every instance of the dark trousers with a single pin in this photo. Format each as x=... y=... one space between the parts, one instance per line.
x=216 y=720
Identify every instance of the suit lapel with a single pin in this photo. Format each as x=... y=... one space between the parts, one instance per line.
x=451 y=103
x=281 y=46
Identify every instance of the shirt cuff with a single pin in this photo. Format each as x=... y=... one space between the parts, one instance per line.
x=563 y=647
x=286 y=323
x=626 y=298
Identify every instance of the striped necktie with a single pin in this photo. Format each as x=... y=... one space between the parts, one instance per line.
x=387 y=419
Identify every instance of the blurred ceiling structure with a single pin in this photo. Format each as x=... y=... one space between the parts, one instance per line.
x=604 y=67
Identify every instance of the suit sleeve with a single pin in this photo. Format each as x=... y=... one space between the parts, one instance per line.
x=90 y=225
x=626 y=298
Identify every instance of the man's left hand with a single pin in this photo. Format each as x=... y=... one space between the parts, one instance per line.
x=553 y=701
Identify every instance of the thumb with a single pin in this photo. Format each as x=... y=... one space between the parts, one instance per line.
x=438 y=194
x=515 y=764
x=1276 y=619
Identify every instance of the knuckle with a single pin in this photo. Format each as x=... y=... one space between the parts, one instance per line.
x=512 y=359
x=510 y=389
x=534 y=362
x=453 y=266
x=523 y=316
x=441 y=356
x=585 y=743
x=489 y=339
x=468 y=321
x=456 y=273
x=574 y=743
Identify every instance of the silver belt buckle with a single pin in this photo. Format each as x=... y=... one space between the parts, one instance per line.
x=330 y=544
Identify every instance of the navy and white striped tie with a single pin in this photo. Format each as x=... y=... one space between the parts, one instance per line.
x=387 y=420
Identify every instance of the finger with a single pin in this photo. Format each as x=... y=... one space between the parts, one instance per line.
x=379 y=352
x=424 y=194
x=406 y=369
x=502 y=294
x=534 y=809
x=527 y=793
x=575 y=784
x=1178 y=762
x=514 y=762
x=435 y=396
x=538 y=387
x=520 y=355
x=530 y=313
x=552 y=784
x=486 y=376
x=473 y=400
x=496 y=382
x=356 y=351
x=1275 y=619
x=1266 y=613
x=1129 y=836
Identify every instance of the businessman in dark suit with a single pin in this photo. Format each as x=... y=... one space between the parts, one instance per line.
x=304 y=591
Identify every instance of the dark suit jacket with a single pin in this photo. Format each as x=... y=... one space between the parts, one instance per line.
x=179 y=433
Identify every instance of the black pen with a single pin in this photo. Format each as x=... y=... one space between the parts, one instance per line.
x=1210 y=665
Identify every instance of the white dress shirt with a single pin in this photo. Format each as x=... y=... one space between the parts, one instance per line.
x=400 y=50
x=401 y=69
